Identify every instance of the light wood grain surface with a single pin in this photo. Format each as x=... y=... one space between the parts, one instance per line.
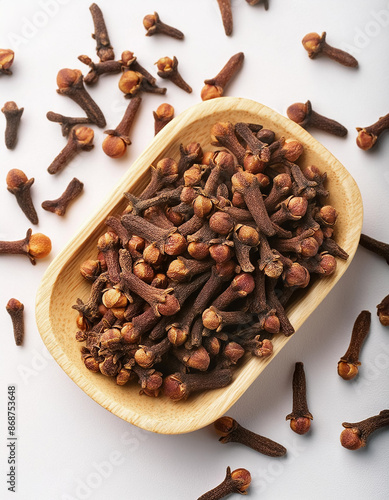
x=62 y=282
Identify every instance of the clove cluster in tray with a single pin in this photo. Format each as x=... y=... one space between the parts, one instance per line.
x=197 y=270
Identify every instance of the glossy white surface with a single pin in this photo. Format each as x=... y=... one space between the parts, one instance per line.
x=71 y=448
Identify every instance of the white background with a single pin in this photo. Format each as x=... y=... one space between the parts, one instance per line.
x=71 y=448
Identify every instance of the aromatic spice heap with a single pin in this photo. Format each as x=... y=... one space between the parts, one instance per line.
x=198 y=268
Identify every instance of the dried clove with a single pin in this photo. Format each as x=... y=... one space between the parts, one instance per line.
x=35 y=246
x=154 y=25
x=12 y=115
x=15 y=309
x=226 y=13
x=305 y=116
x=368 y=136
x=215 y=87
x=232 y=432
x=98 y=69
x=348 y=364
x=315 y=44
x=115 y=145
x=66 y=122
x=181 y=385
x=255 y=2
x=167 y=69
x=378 y=247
x=162 y=116
x=131 y=83
x=355 y=436
x=70 y=83
x=19 y=185
x=236 y=481
x=103 y=45
x=383 y=311
x=6 y=60
x=129 y=61
x=300 y=418
x=60 y=205
x=80 y=139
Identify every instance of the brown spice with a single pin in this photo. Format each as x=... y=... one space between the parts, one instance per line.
x=103 y=45
x=300 y=418
x=226 y=13
x=66 y=122
x=368 y=136
x=70 y=83
x=383 y=311
x=154 y=25
x=315 y=44
x=19 y=185
x=162 y=116
x=115 y=145
x=348 y=364
x=60 y=205
x=355 y=435
x=13 y=114
x=35 y=246
x=236 y=481
x=6 y=60
x=215 y=87
x=304 y=115
x=80 y=139
x=232 y=432
x=167 y=69
x=15 y=309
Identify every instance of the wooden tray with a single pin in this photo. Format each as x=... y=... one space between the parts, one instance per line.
x=62 y=282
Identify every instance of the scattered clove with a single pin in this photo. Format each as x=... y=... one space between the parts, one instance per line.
x=232 y=432
x=368 y=136
x=35 y=246
x=80 y=139
x=131 y=83
x=162 y=116
x=60 y=205
x=66 y=122
x=15 y=309
x=305 y=116
x=115 y=145
x=383 y=311
x=12 y=115
x=236 y=481
x=255 y=2
x=215 y=87
x=300 y=418
x=19 y=185
x=348 y=364
x=226 y=13
x=6 y=61
x=167 y=69
x=154 y=25
x=103 y=46
x=315 y=44
x=70 y=83
x=378 y=247
x=355 y=436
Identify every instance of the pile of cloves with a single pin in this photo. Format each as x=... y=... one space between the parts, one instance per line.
x=197 y=270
